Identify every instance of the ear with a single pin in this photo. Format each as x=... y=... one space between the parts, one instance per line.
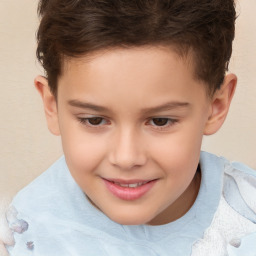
x=220 y=103
x=50 y=104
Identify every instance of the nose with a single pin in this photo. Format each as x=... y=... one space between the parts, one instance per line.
x=127 y=150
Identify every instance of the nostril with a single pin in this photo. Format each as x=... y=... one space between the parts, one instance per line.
x=236 y=242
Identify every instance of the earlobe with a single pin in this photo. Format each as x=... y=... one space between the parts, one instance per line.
x=220 y=104
x=50 y=104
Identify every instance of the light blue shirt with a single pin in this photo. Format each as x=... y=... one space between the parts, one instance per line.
x=63 y=222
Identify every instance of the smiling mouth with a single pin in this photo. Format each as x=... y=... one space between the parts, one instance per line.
x=130 y=185
x=129 y=190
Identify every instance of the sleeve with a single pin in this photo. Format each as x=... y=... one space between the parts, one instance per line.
x=233 y=229
x=245 y=179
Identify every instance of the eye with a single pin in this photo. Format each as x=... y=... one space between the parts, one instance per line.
x=93 y=121
x=160 y=121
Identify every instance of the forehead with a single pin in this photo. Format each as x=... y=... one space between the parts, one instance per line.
x=110 y=56
x=138 y=72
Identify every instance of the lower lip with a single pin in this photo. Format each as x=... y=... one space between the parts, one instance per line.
x=129 y=194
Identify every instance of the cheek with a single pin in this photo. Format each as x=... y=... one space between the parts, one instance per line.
x=83 y=151
x=178 y=153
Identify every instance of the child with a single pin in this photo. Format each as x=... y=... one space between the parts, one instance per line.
x=131 y=87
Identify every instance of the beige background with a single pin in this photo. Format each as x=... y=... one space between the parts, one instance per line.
x=26 y=146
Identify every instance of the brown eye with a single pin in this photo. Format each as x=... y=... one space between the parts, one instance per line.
x=160 y=121
x=95 y=120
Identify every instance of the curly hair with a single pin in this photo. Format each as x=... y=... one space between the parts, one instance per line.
x=75 y=28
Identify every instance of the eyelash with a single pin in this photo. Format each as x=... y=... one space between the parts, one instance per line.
x=85 y=121
x=169 y=122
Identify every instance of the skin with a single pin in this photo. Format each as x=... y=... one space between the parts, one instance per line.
x=128 y=90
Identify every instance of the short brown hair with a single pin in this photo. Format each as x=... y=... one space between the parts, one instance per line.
x=73 y=28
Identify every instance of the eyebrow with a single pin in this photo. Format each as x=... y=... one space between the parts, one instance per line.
x=87 y=105
x=163 y=107
x=167 y=106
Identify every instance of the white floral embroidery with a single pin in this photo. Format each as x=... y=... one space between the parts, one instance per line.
x=15 y=224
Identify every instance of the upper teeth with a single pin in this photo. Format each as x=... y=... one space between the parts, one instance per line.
x=134 y=185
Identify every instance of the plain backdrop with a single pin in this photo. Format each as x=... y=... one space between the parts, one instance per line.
x=26 y=146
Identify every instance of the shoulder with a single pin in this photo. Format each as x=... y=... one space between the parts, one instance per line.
x=238 y=183
x=45 y=190
x=46 y=179
x=241 y=174
x=239 y=188
x=238 y=169
x=233 y=228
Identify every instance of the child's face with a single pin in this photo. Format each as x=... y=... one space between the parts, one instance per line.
x=129 y=116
